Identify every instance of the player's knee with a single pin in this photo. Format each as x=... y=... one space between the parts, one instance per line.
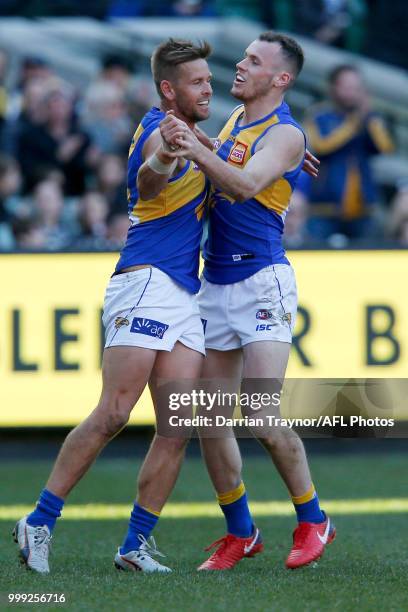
x=282 y=438
x=113 y=414
x=173 y=446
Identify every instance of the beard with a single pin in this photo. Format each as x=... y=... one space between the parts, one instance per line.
x=258 y=90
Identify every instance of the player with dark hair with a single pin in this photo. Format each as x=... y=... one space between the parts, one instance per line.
x=247 y=280
x=151 y=315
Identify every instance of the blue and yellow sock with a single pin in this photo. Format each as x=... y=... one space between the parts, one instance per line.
x=142 y=522
x=234 y=505
x=47 y=510
x=307 y=507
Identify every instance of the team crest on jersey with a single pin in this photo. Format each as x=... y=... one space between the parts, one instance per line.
x=120 y=322
x=237 y=154
x=263 y=315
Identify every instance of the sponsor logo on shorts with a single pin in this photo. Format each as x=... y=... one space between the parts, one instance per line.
x=148 y=327
x=121 y=321
x=264 y=327
x=237 y=153
x=287 y=317
x=204 y=322
x=264 y=314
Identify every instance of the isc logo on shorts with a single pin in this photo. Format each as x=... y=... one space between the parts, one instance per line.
x=264 y=327
x=237 y=154
x=148 y=327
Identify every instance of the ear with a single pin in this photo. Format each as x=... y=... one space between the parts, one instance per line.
x=167 y=90
x=283 y=79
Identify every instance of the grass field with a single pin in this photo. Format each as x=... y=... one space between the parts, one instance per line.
x=364 y=569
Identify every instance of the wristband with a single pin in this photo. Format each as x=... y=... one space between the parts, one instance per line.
x=158 y=166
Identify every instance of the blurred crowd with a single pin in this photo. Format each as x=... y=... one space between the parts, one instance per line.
x=373 y=27
x=345 y=207
x=63 y=157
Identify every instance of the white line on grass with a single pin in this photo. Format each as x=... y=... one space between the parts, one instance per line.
x=210 y=509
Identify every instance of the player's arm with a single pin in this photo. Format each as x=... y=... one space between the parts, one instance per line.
x=280 y=151
x=157 y=168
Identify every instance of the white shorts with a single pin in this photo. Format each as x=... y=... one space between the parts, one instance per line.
x=147 y=308
x=261 y=307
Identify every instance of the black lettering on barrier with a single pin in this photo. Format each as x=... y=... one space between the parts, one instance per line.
x=304 y=316
x=19 y=365
x=61 y=338
x=373 y=333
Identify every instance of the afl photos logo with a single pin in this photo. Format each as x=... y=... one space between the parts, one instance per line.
x=237 y=154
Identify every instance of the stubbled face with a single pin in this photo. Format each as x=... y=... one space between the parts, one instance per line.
x=192 y=90
x=348 y=90
x=262 y=68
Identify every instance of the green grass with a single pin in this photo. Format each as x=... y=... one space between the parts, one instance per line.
x=364 y=569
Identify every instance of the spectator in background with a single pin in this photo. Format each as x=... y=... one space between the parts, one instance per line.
x=28 y=235
x=295 y=235
x=111 y=182
x=345 y=133
x=10 y=183
x=398 y=219
x=117 y=231
x=31 y=114
x=92 y=216
x=193 y=8
x=32 y=68
x=3 y=90
x=117 y=70
x=47 y=211
x=106 y=118
x=57 y=143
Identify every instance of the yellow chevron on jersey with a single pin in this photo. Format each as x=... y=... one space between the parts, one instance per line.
x=277 y=195
x=181 y=190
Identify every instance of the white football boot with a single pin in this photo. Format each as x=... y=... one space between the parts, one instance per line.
x=141 y=560
x=34 y=544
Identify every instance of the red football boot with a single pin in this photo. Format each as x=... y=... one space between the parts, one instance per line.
x=231 y=549
x=309 y=540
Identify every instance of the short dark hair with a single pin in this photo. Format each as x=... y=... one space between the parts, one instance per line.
x=338 y=70
x=173 y=52
x=291 y=50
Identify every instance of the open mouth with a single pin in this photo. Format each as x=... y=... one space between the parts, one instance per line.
x=204 y=103
x=239 y=78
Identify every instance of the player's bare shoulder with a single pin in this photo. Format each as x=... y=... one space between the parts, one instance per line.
x=286 y=140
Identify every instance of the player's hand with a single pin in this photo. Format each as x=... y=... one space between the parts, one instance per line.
x=311 y=164
x=203 y=138
x=172 y=129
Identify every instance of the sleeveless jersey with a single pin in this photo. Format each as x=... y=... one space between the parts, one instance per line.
x=166 y=231
x=244 y=237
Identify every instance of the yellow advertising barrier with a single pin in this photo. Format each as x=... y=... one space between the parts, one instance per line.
x=352 y=322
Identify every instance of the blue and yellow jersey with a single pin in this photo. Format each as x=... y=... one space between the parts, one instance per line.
x=166 y=231
x=244 y=237
x=344 y=144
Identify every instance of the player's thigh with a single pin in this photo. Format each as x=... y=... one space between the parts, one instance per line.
x=263 y=375
x=175 y=374
x=180 y=363
x=225 y=364
x=266 y=359
x=125 y=372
